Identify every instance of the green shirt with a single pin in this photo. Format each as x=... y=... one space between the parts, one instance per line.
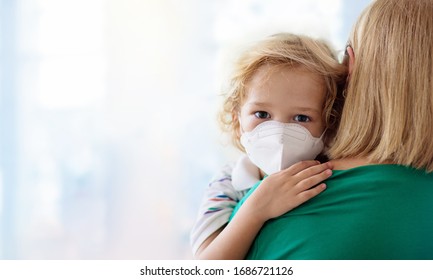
x=368 y=212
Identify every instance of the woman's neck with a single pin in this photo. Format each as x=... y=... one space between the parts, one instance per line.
x=347 y=163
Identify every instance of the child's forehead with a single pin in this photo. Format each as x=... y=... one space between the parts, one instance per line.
x=285 y=83
x=267 y=70
x=264 y=73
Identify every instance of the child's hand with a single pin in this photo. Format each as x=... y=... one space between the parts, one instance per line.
x=287 y=189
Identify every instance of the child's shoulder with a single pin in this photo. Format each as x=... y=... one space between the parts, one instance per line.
x=224 y=174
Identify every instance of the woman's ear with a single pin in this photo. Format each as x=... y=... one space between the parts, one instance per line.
x=351 y=55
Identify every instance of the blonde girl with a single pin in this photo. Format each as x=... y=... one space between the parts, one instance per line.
x=285 y=87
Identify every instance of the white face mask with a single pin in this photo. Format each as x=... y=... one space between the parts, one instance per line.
x=274 y=146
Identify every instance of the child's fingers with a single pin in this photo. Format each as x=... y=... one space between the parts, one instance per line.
x=309 y=182
x=300 y=166
x=308 y=194
x=313 y=170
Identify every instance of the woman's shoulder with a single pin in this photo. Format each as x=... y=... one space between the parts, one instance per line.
x=356 y=171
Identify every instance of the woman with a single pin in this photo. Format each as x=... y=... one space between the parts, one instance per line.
x=379 y=200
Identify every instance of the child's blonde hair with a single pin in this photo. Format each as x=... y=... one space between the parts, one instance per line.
x=287 y=50
x=388 y=111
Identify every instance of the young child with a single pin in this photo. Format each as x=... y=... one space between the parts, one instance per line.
x=282 y=100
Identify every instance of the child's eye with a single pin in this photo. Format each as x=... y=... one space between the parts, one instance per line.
x=302 y=118
x=262 y=115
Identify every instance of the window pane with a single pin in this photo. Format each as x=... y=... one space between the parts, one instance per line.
x=108 y=132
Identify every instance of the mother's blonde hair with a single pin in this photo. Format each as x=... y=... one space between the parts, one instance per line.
x=388 y=111
x=285 y=50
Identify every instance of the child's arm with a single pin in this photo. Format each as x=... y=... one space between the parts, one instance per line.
x=219 y=200
x=277 y=194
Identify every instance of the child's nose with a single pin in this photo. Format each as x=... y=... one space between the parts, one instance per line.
x=282 y=119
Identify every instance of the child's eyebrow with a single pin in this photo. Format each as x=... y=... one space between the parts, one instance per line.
x=258 y=103
x=309 y=109
x=297 y=108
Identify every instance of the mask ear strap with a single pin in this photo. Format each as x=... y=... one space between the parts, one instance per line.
x=323 y=134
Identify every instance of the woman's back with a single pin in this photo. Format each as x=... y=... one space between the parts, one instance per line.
x=368 y=212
